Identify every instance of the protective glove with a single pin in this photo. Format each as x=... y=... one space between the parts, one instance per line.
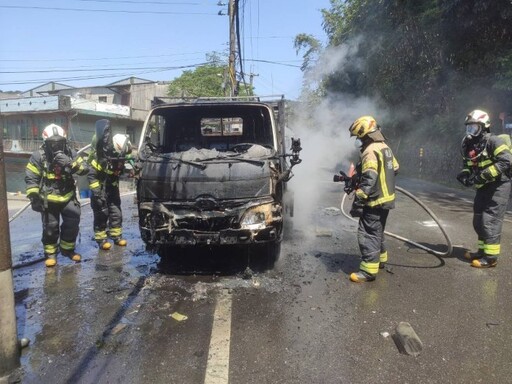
x=357 y=208
x=476 y=179
x=465 y=179
x=62 y=160
x=36 y=202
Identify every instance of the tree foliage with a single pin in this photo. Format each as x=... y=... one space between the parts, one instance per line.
x=208 y=80
x=205 y=81
x=436 y=59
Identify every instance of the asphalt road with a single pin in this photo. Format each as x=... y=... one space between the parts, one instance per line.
x=123 y=317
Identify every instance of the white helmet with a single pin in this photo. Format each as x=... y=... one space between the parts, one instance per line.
x=476 y=122
x=53 y=130
x=121 y=144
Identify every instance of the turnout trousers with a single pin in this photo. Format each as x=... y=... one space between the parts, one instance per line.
x=108 y=217
x=370 y=236
x=489 y=208
x=65 y=235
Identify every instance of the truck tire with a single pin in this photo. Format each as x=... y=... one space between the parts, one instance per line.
x=262 y=257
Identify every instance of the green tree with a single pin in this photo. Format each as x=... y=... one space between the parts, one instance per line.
x=207 y=80
x=430 y=58
x=204 y=81
x=428 y=63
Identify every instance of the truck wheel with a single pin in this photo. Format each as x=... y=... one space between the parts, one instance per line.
x=171 y=259
x=263 y=257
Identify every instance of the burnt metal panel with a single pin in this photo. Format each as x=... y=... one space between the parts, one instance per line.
x=163 y=181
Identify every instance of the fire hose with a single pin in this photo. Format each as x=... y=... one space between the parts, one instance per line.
x=409 y=241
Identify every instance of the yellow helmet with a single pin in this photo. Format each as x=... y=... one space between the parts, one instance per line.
x=363 y=126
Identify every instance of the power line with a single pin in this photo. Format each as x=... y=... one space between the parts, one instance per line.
x=103 y=69
x=107 y=10
x=98 y=58
x=93 y=77
x=140 y=2
x=274 y=62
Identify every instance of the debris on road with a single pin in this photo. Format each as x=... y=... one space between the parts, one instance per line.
x=323 y=232
x=384 y=334
x=332 y=211
x=407 y=340
x=178 y=316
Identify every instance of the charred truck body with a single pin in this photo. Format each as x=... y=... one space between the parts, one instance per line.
x=214 y=173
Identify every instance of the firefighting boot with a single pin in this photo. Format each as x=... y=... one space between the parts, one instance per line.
x=72 y=255
x=104 y=244
x=383 y=259
x=121 y=242
x=485 y=262
x=361 y=277
x=472 y=256
x=51 y=260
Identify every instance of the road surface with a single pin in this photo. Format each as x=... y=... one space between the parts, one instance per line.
x=122 y=316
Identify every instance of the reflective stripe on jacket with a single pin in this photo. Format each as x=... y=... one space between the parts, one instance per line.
x=102 y=171
x=52 y=184
x=494 y=161
x=377 y=176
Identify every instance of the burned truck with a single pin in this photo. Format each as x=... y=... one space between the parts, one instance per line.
x=213 y=173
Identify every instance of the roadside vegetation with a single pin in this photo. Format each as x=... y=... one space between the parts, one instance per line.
x=426 y=63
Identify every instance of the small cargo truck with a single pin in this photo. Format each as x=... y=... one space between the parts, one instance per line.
x=213 y=172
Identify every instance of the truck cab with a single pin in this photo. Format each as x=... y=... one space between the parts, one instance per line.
x=213 y=172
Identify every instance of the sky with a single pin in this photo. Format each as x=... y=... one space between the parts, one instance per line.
x=97 y=42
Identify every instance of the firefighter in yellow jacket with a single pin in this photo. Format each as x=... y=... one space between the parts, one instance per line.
x=51 y=190
x=486 y=166
x=107 y=160
x=374 y=196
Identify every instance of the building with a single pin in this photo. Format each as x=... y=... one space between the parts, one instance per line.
x=23 y=116
x=126 y=103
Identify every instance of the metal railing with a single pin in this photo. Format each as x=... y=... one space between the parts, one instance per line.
x=30 y=145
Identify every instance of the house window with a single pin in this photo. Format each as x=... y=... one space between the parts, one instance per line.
x=125 y=99
x=130 y=131
x=102 y=99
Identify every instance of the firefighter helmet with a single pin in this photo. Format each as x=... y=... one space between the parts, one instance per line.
x=363 y=126
x=121 y=144
x=53 y=130
x=476 y=122
x=54 y=138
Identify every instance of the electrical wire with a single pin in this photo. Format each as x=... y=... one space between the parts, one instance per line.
x=107 y=10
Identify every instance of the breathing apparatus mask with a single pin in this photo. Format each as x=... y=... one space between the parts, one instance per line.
x=55 y=144
x=107 y=145
x=472 y=147
x=473 y=130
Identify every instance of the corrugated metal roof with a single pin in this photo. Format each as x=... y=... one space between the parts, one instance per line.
x=130 y=81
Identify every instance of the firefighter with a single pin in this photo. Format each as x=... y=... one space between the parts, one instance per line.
x=51 y=190
x=374 y=196
x=107 y=161
x=486 y=166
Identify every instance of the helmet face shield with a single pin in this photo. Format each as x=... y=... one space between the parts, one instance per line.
x=473 y=129
x=55 y=144
x=478 y=117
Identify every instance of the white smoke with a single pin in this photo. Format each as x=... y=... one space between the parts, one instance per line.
x=326 y=142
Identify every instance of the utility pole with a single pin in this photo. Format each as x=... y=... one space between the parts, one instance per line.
x=232 y=12
x=9 y=347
